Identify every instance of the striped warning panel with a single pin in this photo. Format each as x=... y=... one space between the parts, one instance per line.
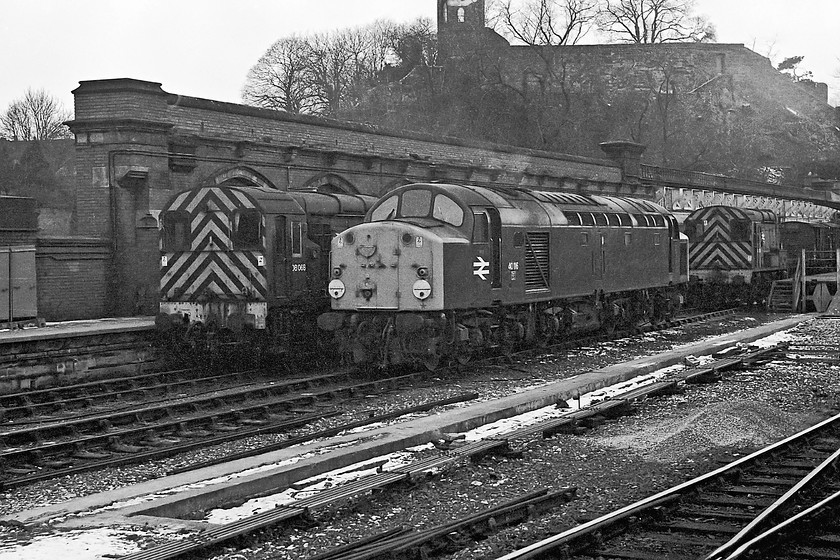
x=211 y=268
x=720 y=255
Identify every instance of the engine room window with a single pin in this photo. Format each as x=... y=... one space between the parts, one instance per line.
x=447 y=210
x=386 y=210
x=601 y=219
x=246 y=230
x=481 y=228
x=573 y=218
x=176 y=232
x=625 y=220
x=613 y=219
x=658 y=220
x=296 y=239
x=416 y=204
x=587 y=219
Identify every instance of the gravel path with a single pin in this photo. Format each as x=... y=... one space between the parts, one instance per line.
x=669 y=440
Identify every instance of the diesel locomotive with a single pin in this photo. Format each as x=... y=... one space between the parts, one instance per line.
x=246 y=266
x=440 y=271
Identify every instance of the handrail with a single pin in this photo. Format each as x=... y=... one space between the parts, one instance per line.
x=797 y=283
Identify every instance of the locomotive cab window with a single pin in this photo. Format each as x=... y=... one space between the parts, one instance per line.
x=481 y=228
x=447 y=210
x=740 y=230
x=415 y=204
x=386 y=210
x=247 y=233
x=296 y=239
x=176 y=232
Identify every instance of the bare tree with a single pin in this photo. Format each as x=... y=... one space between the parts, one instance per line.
x=544 y=22
x=654 y=21
x=320 y=74
x=37 y=116
x=282 y=79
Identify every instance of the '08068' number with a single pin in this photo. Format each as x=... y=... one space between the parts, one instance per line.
x=300 y=267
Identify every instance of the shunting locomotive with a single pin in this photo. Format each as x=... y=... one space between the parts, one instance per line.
x=440 y=271
x=247 y=266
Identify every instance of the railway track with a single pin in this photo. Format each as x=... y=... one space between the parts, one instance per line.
x=409 y=545
x=748 y=507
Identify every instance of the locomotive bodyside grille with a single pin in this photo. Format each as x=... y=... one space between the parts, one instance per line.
x=536 y=261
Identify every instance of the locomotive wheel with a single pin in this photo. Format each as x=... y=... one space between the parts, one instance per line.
x=431 y=362
x=464 y=355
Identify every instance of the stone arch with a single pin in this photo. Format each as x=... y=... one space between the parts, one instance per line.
x=393 y=185
x=330 y=183
x=240 y=175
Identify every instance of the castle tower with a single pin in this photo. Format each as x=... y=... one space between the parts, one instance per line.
x=460 y=24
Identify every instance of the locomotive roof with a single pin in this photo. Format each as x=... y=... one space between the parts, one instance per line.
x=523 y=205
x=273 y=201
x=752 y=214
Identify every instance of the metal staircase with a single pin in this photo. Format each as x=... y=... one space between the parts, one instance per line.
x=796 y=293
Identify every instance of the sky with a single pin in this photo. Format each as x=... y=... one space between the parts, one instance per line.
x=204 y=48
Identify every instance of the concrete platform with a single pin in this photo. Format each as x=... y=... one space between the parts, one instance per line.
x=67 y=329
x=163 y=501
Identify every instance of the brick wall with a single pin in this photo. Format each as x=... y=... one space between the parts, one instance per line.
x=72 y=278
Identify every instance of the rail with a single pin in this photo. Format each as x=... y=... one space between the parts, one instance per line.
x=562 y=541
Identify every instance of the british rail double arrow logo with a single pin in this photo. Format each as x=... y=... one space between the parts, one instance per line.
x=481 y=268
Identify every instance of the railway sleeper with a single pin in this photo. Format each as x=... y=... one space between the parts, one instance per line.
x=813 y=553
x=182 y=431
x=696 y=527
x=695 y=510
x=117 y=445
x=726 y=500
x=90 y=454
x=151 y=439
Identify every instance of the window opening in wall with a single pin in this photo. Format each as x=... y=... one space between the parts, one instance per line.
x=246 y=230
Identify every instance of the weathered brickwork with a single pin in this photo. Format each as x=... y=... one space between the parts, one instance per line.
x=72 y=278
